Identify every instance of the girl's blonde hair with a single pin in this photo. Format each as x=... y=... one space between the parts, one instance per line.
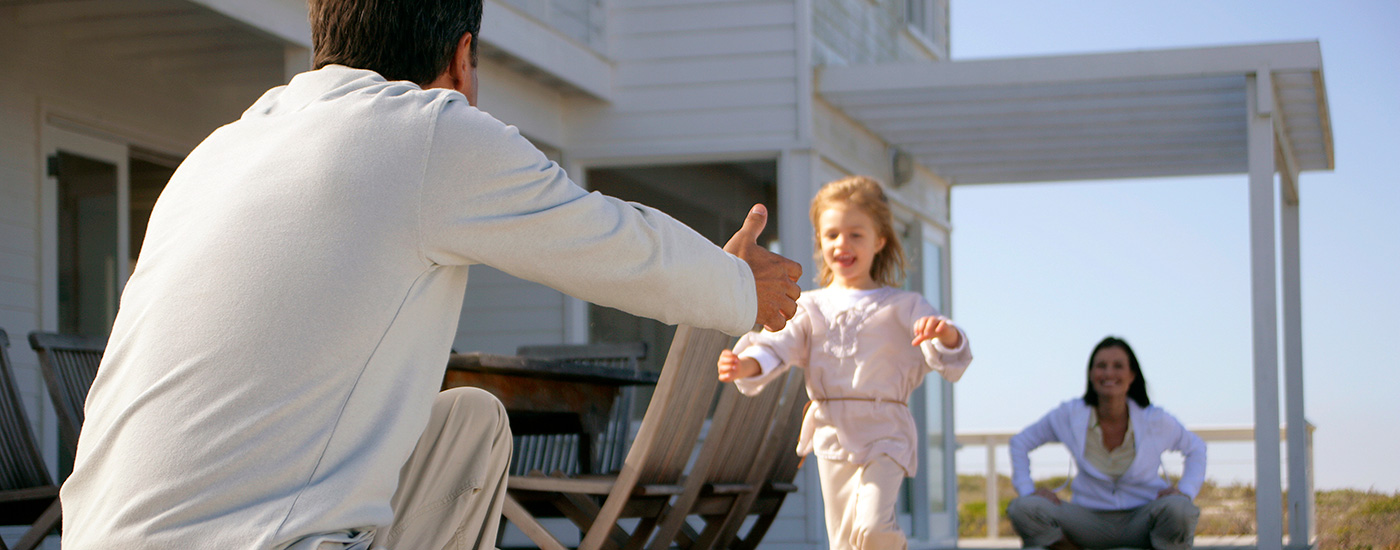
x=866 y=194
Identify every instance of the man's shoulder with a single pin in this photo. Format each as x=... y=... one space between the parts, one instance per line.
x=462 y=127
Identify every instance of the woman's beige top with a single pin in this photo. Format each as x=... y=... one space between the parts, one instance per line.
x=1112 y=463
x=861 y=369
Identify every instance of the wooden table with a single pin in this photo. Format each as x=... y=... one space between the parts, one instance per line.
x=548 y=396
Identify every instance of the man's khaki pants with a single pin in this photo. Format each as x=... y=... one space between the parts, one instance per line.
x=453 y=487
x=1168 y=523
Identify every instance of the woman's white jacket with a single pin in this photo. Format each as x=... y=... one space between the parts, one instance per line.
x=1155 y=432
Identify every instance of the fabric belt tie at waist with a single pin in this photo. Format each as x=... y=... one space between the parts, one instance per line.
x=870 y=399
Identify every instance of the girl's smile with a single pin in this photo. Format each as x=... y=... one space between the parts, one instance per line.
x=849 y=242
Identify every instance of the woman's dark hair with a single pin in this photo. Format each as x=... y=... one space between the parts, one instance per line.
x=411 y=40
x=1137 y=391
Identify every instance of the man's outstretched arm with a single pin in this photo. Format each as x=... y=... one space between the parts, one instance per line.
x=490 y=197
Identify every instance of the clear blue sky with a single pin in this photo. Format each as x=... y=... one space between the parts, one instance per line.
x=1041 y=272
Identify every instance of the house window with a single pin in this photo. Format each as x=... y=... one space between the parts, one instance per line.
x=928 y=18
x=931 y=270
x=87 y=244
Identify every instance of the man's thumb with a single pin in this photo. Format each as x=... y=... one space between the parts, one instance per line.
x=754 y=223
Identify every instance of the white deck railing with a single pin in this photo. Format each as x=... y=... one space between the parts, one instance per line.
x=994 y=440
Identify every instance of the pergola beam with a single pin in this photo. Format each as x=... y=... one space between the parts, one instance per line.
x=1287 y=160
x=1069 y=69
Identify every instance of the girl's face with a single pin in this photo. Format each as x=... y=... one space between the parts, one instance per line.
x=849 y=240
x=1110 y=374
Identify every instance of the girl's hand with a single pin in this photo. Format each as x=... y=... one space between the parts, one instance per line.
x=936 y=327
x=732 y=367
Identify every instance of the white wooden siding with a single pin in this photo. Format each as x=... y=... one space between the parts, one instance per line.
x=534 y=108
x=849 y=145
x=501 y=313
x=19 y=222
x=854 y=32
x=692 y=72
x=580 y=20
x=849 y=148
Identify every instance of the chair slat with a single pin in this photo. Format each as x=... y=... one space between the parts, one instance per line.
x=19 y=451
x=26 y=490
x=736 y=454
x=654 y=467
x=69 y=364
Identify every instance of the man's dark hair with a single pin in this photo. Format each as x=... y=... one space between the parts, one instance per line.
x=411 y=40
x=1137 y=391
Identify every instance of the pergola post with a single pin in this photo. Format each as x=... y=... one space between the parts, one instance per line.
x=1268 y=494
x=993 y=500
x=1300 y=494
x=1301 y=519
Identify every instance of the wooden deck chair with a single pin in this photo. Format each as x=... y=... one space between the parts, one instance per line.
x=69 y=363
x=27 y=493
x=779 y=482
x=553 y=452
x=733 y=464
x=655 y=465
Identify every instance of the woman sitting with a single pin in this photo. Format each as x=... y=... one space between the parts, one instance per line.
x=1117 y=439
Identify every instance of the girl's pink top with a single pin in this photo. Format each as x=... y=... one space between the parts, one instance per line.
x=861 y=370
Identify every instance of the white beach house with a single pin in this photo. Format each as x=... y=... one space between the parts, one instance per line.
x=698 y=107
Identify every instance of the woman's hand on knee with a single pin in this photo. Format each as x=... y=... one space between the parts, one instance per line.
x=1047 y=495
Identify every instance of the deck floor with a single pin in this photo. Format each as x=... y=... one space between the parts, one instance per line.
x=1235 y=542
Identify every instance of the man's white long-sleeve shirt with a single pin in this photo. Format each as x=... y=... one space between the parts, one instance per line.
x=287 y=325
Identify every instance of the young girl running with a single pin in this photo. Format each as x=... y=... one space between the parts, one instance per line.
x=853 y=336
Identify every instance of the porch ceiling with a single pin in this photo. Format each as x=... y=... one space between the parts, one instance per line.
x=1117 y=115
x=176 y=38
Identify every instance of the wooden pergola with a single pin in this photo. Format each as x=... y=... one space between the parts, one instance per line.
x=1258 y=110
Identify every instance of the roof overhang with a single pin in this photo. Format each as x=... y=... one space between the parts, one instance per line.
x=1078 y=117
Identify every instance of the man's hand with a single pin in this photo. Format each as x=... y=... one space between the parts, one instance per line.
x=774 y=276
x=1047 y=495
x=1169 y=491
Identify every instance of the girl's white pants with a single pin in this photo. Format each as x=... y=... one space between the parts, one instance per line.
x=860 y=504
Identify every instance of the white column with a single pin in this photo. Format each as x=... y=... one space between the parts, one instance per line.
x=796 y=171
x=796 y=186
x=575 y=310
x=1264 y=296
x=1300 y=494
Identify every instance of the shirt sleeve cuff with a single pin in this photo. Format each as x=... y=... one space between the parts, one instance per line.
x=766 y=361
x=746 y=300
x=940 y=348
